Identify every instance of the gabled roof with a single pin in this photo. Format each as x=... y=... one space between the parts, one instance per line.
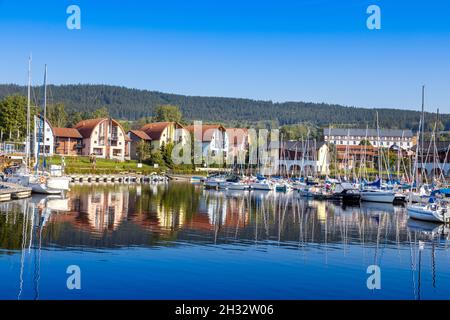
x=67 y=133
x=207 y=131
x=141 y=135
x=155 y=130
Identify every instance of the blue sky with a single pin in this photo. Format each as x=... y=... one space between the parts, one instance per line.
x=285 y=50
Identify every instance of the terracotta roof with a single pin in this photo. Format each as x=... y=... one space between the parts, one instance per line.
x=207 y=131
x=155 y=130
x=141 y=134
x=67 y=133
x=85 y=127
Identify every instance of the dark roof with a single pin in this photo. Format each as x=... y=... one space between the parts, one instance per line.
x=370 y=132
x=67 y=133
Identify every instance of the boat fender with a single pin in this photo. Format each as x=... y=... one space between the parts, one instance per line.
x=42 y=180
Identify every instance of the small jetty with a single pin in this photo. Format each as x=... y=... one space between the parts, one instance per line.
x=86 y=178
x=12 y=191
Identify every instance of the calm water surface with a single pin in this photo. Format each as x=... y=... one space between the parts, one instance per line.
x=178 y=241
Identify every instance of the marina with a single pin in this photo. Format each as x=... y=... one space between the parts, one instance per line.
x=179 y=241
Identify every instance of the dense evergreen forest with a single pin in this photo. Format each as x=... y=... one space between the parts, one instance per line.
x=133 y=104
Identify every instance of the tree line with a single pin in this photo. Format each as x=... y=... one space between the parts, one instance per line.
x=133 y=104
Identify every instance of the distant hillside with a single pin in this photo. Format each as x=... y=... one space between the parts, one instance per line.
x=133 y=104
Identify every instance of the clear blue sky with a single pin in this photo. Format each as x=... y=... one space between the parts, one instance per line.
x=284 y=50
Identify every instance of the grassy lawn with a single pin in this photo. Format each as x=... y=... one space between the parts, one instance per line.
x=82 y=165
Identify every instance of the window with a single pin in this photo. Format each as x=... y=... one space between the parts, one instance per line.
x=98 y=151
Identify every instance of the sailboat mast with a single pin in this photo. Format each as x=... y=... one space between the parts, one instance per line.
x=423 y=123
x=45 y=111
x=380 y=172
x=27 y=141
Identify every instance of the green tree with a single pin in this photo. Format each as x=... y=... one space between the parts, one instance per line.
x=365 y=143
x=74 y=118
x=126 y=125
x=143 y=150
x=167 y=113
x=57 y=116
x=100 y=113
x=13 y=117
x=166 y=151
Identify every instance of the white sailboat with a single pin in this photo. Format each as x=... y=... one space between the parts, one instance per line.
x=39 y=181
x=376 y=194
x=433 y=212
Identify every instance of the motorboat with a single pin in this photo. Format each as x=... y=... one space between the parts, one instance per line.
x=378 y=195
x=433 y=211
x=263 y=185
x=346 y=193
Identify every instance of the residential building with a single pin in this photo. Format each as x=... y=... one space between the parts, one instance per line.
x=104 y=138
x=162 y=133
x=213 y=137
x=136 y=136
x=43 y=137
x=377 y=138
x=350 y=157
x=238 y=141
x=304 y=157
x=68 y=141
x=434 y=158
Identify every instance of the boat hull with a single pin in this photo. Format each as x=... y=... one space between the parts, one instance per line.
x=375 y=196
x=424 y=214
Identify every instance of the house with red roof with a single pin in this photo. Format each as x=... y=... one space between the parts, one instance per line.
x=68 y=141
x=104 y=138
x=157 y=134
x=213 y=137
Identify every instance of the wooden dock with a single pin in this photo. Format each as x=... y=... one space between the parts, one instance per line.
x=11 y=191
x=77 y=178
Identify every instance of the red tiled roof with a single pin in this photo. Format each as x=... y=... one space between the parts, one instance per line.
x=207 y=131
x=141 y=134
x=85 y=127
x=155 y=130
x=67 y=133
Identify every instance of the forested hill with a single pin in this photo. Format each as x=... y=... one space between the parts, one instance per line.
x=132 y=104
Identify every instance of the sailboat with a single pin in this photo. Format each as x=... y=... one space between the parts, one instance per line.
x=433 y=211
x=374 y=192
x=39 y=181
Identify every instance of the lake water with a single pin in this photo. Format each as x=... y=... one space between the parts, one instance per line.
x=179 y=241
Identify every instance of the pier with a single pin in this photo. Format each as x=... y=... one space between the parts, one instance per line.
x=86 y=178
x=12 y=191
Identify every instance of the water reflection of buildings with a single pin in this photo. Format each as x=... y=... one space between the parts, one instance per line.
x=97 y=210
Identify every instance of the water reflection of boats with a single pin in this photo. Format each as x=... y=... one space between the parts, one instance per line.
x=428 y=228
x=367 y=207
x=53 y=202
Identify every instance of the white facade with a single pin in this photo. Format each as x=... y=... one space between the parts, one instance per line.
x=384 y=138
x=218 y=144
x=43 y=137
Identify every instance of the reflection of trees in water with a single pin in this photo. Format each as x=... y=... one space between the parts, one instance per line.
x=163 y=214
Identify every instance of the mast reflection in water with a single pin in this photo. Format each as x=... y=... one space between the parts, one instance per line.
x=178 y=241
